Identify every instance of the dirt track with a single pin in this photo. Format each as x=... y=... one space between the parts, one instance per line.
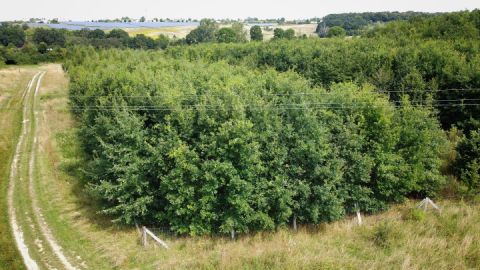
x=29 y=227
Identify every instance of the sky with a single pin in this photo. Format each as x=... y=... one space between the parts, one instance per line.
x=218 y=9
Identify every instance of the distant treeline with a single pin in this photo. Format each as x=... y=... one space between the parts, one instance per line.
x=20 y=44
x=353 y=22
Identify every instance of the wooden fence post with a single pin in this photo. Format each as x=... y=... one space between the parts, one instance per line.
x=144 y=236
x=359 y=218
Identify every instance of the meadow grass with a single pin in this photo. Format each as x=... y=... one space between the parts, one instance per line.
x=13 y=81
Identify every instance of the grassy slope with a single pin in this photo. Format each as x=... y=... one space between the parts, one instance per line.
x=450 y=240
x=12 y=83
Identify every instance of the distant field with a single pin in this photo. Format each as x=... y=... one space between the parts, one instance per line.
x=174 y=31
x=182 y=31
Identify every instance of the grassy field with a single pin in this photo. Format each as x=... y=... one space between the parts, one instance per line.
x=13 y=82
x=182 y=31
x=178 y=31
x=397 y=239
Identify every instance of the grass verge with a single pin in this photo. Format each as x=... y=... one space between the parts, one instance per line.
x=12 y=85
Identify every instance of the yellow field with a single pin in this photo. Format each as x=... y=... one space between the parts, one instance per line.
x=182 y=31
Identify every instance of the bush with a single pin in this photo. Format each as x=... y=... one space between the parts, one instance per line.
x=384 y=235
x=336 y=31
x=414 y=214
x=256 y=33
x=11 y=35
x=50 y=37
x=468 y=161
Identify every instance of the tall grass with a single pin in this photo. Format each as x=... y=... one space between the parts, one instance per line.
x=12 y=83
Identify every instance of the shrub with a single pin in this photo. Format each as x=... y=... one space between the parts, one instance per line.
x=336 y=31
x=384 y=235
x=414 y=214
x=468 y=161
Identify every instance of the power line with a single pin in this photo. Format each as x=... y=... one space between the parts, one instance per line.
x=265 y=108
x=271 y=94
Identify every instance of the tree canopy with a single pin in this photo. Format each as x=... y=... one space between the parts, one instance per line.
x=207 y=147
x=256 y=33
x=11 y=34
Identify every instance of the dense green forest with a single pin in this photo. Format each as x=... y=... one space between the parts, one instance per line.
x=251 y=136
x=211 y=147
x=354 y=22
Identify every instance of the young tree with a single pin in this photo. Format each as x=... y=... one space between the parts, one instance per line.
x=10 y=34
x=278 y=33
x=289 y=33
x=142 y=42
x=49 y=36
x=205 y=32
x=240 y=32
x=42 y=47
x=163 y=41
x=142 y=19
x=97 y=33
x=336 y=31
x=468 y=161
x=118 y=33
x=256 y=33
x=226 y=35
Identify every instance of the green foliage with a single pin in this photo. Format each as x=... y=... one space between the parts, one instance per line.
x=468 y=161
x=336 y=31
x=414 y=214
x=205 y=32
x=30 y=54
x=206 y=147
x=353 y=22
x=49 y=36
x=226 y=35
x=415 y=65
x=384 y=235
x=256 y=33
x=279 y=33
x=97 y=33
x=42 y=47
x=163 y=41
x=289 y=33
x=11 y=34
x=142 y=42
x=455 y=25
x=240 y=32
x=118 y=33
